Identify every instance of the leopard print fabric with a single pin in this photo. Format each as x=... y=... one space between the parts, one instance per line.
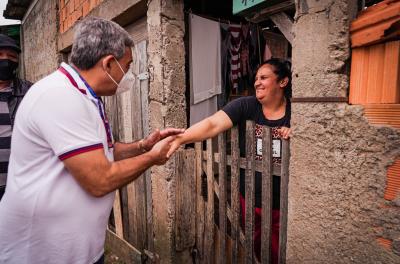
x=277 y=143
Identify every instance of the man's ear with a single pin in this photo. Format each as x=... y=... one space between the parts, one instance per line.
x=106 y=62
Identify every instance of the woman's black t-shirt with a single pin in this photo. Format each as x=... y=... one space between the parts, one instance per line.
x=249 y=108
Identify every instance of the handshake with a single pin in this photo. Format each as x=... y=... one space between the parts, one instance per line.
x=160 y=145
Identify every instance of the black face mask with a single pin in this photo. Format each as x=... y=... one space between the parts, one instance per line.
x=7 y=69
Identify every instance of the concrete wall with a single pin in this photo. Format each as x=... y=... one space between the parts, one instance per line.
x=166 y=109
x=337 y=213
x=40 y=40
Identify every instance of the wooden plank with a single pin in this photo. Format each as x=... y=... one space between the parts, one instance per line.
x=242 y=163
x=141 y=53
x=125 y=213
x=111 y=107
x=222 y=197
x=120 y=247
x=265 y=13
x=138 y=194
x=391 y=73
x=209 y=240
x=118 y=215
x=200 y=205
x=249 y=193
x=235 y=203
x=185 y=196
x=266 y=193
x=284 y=201
x=285 y=25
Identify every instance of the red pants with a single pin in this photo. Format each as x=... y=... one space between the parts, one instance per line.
x=257 y=231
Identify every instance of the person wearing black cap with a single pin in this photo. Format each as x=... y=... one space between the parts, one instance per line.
x=12 y=89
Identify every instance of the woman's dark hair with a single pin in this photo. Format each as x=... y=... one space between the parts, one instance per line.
x=282 y=68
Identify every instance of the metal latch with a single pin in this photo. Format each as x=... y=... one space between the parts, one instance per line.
x=143 y=76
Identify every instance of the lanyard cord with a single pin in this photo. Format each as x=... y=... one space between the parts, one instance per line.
x=100 y=103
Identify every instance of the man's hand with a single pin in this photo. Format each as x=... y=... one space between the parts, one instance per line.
x=160 y=150
x=157 y=135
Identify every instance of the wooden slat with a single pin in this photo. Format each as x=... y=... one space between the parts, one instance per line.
x=266 y=196
x=242 y=163
x=284 y=201
x=209 y=240
x=285 y=25
x=249 y=193
x=235 y=174
x=118 y=215
x=111 y=107
x=222 y=198
x=120 y=247
x=125 y=214
x=200 y=205
x=138 y=196
x=185 y=196
x=266 y=12
x=141 y=52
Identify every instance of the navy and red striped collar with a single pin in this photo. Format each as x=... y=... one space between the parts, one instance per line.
x=77 y=80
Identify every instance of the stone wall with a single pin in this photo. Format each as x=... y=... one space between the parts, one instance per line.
x=39 y=29
x=337 y=213
x=166 y=109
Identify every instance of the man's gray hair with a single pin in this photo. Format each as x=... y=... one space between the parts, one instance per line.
x=95 y=38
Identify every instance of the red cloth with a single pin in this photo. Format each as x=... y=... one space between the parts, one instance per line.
x=257 y=231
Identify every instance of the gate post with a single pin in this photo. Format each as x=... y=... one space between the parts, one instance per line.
x=166 y=60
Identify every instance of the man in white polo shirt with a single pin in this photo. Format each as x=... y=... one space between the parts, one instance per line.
x=62 y=174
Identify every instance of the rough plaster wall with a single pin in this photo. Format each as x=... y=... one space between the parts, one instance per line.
x=337 y=181
x=166 y=109
x=40 y=40
x=339 y=161
x=321 y=48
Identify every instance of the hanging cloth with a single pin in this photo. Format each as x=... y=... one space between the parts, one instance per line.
x=204 y=58
x=235 y=31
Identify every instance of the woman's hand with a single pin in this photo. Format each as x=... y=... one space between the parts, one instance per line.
x=285 y=132
x=174 y=146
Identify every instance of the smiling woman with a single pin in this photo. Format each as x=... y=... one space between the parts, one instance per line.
x=269 y=107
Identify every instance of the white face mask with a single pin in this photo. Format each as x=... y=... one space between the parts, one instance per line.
x=127 y=80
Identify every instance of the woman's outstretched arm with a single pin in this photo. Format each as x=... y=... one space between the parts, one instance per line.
x=207 y=128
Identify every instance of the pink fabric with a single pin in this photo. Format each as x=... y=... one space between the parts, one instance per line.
x=257 y=231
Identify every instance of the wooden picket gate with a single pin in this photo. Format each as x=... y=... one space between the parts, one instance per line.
x=224 y=241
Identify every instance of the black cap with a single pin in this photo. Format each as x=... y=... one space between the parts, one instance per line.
x=7 y=42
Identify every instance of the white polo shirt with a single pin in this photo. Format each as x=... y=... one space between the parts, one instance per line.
x=45 y=215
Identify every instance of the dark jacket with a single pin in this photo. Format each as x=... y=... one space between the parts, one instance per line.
x=19 y=89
